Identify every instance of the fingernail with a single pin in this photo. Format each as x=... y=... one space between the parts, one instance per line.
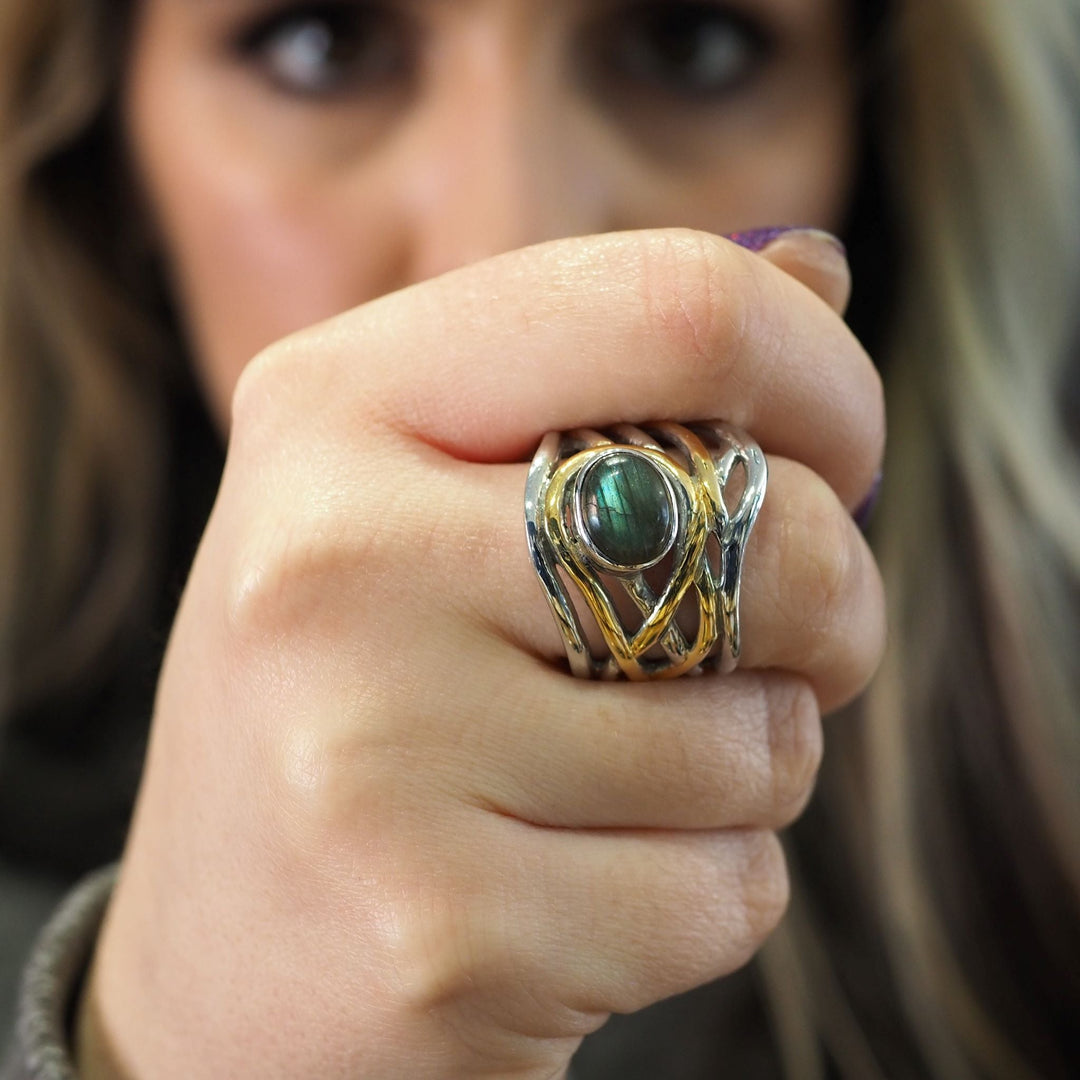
x=759 y=239
x=865 y=510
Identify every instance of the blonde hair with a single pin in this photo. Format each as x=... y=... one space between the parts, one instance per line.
x=973 y=722
x=978 y=532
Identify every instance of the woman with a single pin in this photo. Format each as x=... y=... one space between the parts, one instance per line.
x=380 y=830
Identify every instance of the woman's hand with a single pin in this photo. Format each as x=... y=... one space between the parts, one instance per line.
x=380 y=833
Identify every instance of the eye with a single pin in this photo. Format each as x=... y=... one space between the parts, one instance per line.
x=328 y=48
x=692 y=50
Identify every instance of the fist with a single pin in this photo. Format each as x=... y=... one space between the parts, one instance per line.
x=381 y=831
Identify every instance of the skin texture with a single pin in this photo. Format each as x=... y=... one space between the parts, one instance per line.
x=278 y=211
x=381 y=832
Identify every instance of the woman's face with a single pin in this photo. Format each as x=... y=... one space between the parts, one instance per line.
x=303 y=157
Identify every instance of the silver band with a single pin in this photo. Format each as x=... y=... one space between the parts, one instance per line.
x=637 y=519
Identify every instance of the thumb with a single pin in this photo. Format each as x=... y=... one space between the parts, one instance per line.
x=813 y=256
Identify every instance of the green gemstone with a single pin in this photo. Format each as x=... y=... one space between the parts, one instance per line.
x=627 y=509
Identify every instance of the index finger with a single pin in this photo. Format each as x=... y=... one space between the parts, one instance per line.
x=619 y=327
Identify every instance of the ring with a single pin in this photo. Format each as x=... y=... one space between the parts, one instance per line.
x=638 y=519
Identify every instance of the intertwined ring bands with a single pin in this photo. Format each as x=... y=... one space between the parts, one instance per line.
x=638 y=519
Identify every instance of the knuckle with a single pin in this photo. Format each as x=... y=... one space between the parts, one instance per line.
x=295 y=383
x=843 y=628
x=796 y=745
x=316 y=555
x=822 y=571
x=764 y=887
x=311 y=783
x=440 y=954
x=257 y=396
x=286 y=572
x=299 y=773
x=833 y=560
x=721 y=895
x=867 y=635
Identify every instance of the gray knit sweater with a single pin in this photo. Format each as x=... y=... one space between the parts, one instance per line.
x=41 y=1047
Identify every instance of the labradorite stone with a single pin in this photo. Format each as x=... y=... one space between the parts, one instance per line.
x=627 y=510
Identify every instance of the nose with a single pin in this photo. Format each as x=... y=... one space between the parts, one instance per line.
x=498 y=155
